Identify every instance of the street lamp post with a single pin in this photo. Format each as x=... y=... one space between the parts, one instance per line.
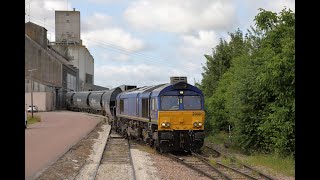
x=31 y=83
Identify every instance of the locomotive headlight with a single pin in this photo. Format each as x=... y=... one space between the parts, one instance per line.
x=165 y=124
x=195 y=124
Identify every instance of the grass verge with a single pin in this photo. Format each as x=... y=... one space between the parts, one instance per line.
x=278 y=164
x=33 y=120
x=273 y=163
x=219 y=138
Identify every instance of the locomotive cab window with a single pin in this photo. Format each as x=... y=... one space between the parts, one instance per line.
x=191 y=102
x=169 y=103
x=154 y=104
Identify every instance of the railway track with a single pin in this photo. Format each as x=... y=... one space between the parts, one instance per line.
x=198 y=165
x=234 y=168
x=212 y=165
x=116 y=155
x=209 y=163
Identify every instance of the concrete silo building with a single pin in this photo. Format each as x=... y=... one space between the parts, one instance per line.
x=68 y=42
x=57 y=67
x=51 y=71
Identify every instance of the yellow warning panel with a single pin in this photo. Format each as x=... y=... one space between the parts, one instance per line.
x=181 y=120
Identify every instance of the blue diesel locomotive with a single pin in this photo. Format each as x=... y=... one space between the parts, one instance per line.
x=169 y=117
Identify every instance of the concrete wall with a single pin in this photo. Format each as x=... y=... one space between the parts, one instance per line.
x=50 y=76
x=37 y=87
x=45 y=101
x=82 y=59
x=49 y=70
x=73 y=72
x=67 y=26
x=36 y=33
x=89 y=64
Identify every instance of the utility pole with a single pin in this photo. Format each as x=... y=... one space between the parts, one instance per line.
x=31 y=83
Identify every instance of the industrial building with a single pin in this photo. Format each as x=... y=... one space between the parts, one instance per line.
x=54 y=68
x=68 y=42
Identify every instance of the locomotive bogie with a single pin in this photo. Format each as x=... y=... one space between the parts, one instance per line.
x=180 y=140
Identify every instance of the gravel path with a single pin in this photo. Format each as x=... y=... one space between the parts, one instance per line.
x=48 y=140
x=169 y=169
x=91 y=167
x=153 y=165
x=114 y=172
x=116 y=161
x=143 y=165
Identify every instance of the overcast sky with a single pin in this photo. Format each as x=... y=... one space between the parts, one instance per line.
x=144 y=42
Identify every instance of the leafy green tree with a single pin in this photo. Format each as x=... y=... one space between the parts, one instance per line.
x=277 y=81
x=249 y=83
x=216 y=66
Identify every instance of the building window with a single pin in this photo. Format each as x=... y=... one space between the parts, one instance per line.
x=71 y=82
x=89 y=78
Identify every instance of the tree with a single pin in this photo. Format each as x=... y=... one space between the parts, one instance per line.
x=249 y=83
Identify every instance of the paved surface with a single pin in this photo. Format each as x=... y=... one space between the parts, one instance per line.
x=49 y=139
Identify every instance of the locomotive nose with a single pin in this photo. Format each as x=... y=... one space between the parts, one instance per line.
x=181 y=120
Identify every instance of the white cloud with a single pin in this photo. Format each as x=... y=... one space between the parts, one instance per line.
x=122 y=57
x=278 y=5
x=193 y=49
x=140 y=75
x=102 y=56
x=181 y=15
x=251 y=9
x=56 y=5
x=203 y=40
x=99 y=30
x=95 y=22
x=106 y=1
x=269 y=5
x=43 y=13
x=109 y=36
